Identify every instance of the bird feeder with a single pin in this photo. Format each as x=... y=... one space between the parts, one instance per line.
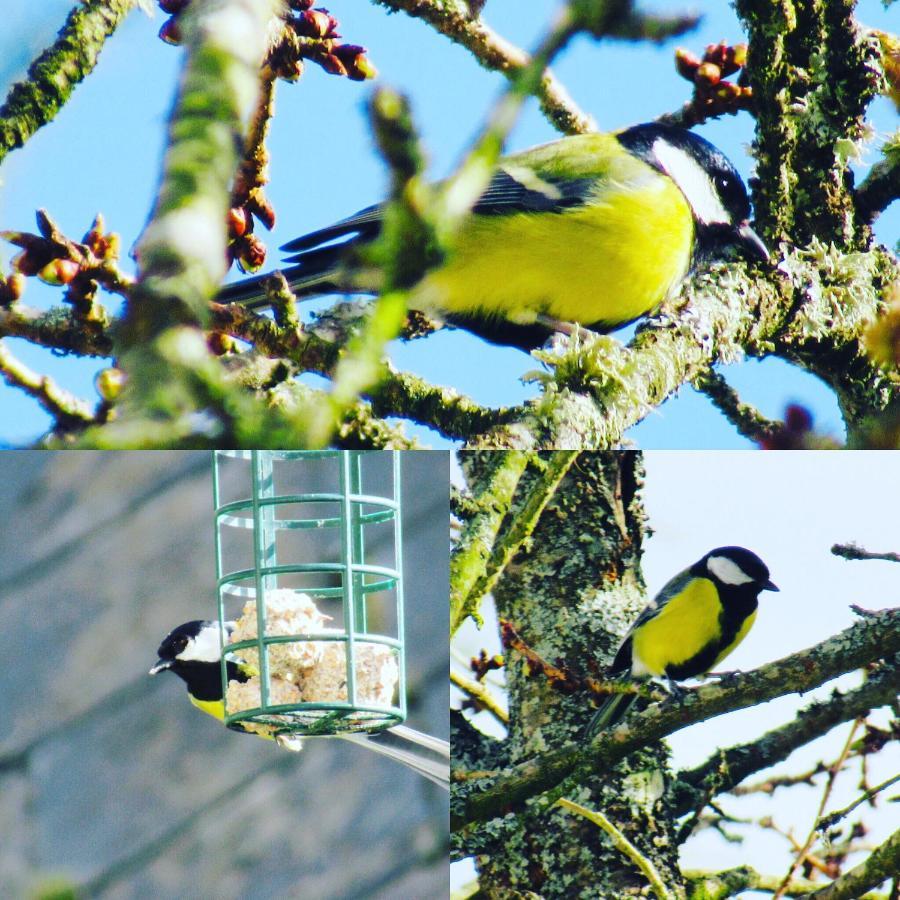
x=310 y=540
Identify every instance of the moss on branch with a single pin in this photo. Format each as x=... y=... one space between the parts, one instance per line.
x=53 y=75
x=875 y=637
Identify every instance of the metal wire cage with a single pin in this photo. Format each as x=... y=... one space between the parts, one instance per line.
x=336 y=548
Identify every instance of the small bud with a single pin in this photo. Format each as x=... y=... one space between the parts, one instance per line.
x=263 y=210
x=331 y=64
x=59 y=271
x=686 y=63
x=797 y=419
x=736 y=59
x=109 y=383
x=15 y=285
x=708 y=73
x=726 y=91
x=355 y=61
x=300 y=4
x=173 y=7
x=251 y=253
x=27 y=263
x=171 y=32
x=315 y=23
x=238 y=221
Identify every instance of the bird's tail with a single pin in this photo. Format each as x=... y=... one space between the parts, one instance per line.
x=427 y=755
x=318 y=272
x=610 y=713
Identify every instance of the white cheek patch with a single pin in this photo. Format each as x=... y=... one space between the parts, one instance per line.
x=726 y=571
x=203 y=648
x=694 y=182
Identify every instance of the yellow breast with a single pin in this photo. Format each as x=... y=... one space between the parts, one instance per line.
x=687 y=624
x=606 y=262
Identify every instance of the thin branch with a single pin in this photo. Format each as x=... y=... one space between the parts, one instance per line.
x=454 y=20
x=833 y=772
x=881 y=864
x=476 y=542
x=881 y=186
x=854 y=551
x=704 y=885
x=730 y=766
x=66 y=409
x=834 y=817
x=539 y=495
x=623 y=845
x=58 y=328
x=749 y=422
x=873 y=638
x=481 y=695
x=53 y=75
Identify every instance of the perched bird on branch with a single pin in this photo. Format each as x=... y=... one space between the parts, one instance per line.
x=690 y=626
x=594 y=229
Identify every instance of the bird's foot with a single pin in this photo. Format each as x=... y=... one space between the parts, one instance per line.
x=725 y=677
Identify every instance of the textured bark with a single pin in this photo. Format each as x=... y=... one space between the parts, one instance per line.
x=570 y=595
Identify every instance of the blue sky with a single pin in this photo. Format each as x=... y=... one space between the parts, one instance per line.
x=103 y=154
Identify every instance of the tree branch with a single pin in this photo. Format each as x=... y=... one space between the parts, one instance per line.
x=53 y=75
x=729 y=767
x=469 y=559
x=521 y=527
x=873 y=638
x=454 y=19
x=749 y=421
x=881 y=864
x=66 y=409
x=852 y=551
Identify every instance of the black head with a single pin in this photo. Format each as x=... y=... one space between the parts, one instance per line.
x=193 y=642
x=735 y=567
x=709 y=182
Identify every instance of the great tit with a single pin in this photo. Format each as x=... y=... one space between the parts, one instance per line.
x=192 y=651
x=690 y=626
x=594 y=229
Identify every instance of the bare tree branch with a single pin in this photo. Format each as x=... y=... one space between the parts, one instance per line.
x=53 y=75
x=873 y=638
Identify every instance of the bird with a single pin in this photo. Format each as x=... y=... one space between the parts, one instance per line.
x=689 y=627
x=593 y=229
x=192 y=651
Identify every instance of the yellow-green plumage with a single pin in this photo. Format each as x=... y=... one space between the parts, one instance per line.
x=519 y=265
x=686 y=624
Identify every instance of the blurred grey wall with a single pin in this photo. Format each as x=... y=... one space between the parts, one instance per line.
x=110 y=780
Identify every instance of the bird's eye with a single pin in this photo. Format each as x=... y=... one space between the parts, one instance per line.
x=723 y=183
x=179 y=643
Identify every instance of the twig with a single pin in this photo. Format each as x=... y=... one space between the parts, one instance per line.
x=749 y=422
x=481 y=695
x=453 y=19
x=720 y=885
x=53 y=75
x=833 y=771
x=66 y=409
x=882 y=863
x=864 y=641
x=854 y=551
x=881 y=186
x=476 y=541
x=539 y=495
x=623 y=845
x=829 y=820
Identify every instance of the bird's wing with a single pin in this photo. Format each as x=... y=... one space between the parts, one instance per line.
x=622 y=661
x=512 y=189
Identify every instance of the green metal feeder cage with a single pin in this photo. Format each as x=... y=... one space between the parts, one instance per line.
x=268 y=523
